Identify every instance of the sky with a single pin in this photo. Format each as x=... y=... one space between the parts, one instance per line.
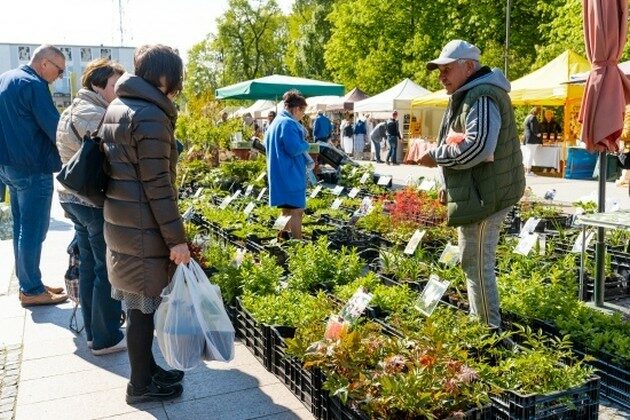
x=177 y=23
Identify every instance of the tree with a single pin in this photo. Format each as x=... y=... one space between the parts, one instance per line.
x=251 y=40
x=203 y=71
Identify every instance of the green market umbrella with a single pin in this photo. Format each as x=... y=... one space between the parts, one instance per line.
x=274 y=86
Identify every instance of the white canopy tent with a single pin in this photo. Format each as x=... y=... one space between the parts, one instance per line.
x=320 y=103
x=256 y=109
x=398 y=98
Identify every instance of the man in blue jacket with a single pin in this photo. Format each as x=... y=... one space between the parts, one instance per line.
x=322 y=127
x=28 y=158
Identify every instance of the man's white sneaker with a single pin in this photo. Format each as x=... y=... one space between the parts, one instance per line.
x=121 y=346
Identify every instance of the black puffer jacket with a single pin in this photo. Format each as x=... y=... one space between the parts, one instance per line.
x=142 y=221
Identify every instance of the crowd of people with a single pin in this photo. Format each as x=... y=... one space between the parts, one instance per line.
x=129 y=245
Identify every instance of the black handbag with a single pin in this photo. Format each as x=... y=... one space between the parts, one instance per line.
x=84 y=174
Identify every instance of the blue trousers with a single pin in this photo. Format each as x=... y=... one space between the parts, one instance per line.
x=31 y=196
x=101 y=313
x=392 y=141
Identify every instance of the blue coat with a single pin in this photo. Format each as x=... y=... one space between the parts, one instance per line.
x=28 y=122
x=286 y=164
x=321 y=127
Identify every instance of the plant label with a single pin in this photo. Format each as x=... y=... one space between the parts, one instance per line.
x=529 y=226
x=365 y=207
x=581 y=243
x=237 y=194
x=364 y=178
x=450 y=255
x=260 y=177
x=410 y=181
x=281 y=222
x=261 y=194
x=353 y=192
x=426 y=184
x=316 y=191
x=188 y=214
x=542 y=245
x=198 y=192
x=384 y=180
x=525 y=245
x=249 y=208
x=353 y=172
x=336 y=204
x=353 y=309
x=239 y=255
x=226 y=202
x=414 y=241
x=337 y=190
x=431 y=295
x=248 y=190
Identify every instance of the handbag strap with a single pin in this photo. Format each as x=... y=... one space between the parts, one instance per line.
x=74 y=129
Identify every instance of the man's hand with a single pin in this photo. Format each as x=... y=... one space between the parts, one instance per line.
x=180 y=254
x=427 y=160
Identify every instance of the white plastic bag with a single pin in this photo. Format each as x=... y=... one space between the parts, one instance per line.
x=191 y=323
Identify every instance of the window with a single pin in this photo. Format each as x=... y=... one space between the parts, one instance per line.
x=106 y=53
x=67 y=52
x=24 y=53
x=86 y=54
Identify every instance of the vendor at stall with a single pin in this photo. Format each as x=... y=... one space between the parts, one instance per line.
x=549 y=126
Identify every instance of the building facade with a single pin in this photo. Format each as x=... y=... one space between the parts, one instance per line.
x=77 y=57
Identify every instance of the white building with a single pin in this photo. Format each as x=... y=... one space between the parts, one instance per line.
x=77 y=57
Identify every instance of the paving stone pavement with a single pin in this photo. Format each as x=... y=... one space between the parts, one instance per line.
x=10 y=358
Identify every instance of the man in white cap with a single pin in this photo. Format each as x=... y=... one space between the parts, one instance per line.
x=482 y=166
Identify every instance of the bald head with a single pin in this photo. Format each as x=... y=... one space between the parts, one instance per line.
x=49 y=62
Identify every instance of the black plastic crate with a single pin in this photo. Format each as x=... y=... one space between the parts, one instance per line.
x=255 y=336
x=280 y=365
x=615 y=381
x=578 y=403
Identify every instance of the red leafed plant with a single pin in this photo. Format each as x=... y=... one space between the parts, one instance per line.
x=411 y=205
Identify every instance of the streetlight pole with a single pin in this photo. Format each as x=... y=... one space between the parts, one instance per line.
x=508 y=8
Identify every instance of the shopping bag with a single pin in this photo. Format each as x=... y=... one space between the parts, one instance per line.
x=177 y=328
x=215 y=323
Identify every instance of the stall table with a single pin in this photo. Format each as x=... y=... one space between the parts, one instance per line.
x=417 y=147
x=546 y=157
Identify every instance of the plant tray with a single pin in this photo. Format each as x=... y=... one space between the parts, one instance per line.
x=580 y=402
x=615 y=381
x=255 y=336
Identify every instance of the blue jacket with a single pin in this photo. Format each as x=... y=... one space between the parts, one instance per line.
x=286 y=165
x=321 y=127
x=28 y=122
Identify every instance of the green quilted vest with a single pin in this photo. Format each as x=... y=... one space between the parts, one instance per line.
x=478 y=192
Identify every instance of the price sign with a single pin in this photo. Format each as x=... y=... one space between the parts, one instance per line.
x=198 y=192
x=261 y=194
x=316 y=191
x=353 y=192
x=281 y=222
x=577 y=245
x=226 y=202
x=413 y=243
x=431 y=295
x=450 y=255
x=427 y=184
x=336 y=204
x=188 y=214
x=364 y=178
x=525 y=245
x=384 y=180
x=260 y=177
x=529 y=227
x=249 y=208
x=248 y=190
x=353 y=309
x=337 y=190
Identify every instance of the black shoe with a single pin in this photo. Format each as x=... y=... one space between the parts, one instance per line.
x=379 y=161
x=153 y=392
x=165 y=377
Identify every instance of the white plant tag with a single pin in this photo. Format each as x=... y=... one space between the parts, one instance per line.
x=237 y=194
x=239 y=256
x=261 y=194
x=248 y=190
x=364 y=178
x=577 y=245
x=354 y=171
x=384 y=180
x=249 y=208
x=353 y=192
x=353 y=309
x=188 y=214
x=281 y=222
x=529 y=226
x=450 y=255
x=316 y=191
x=414 y=241
x=198 y=192
x=337 y=190
x=426 y=184
x=365 y=207
x=260 y=177
x=431 y=295
x=525 y=245
x=542 y=245
x=336 y=204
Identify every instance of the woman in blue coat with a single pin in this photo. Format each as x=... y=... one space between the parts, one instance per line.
x=286 y=146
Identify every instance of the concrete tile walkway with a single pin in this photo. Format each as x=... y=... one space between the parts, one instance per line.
x=60 y=379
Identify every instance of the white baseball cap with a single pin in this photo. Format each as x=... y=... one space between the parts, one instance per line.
x=456 y=49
